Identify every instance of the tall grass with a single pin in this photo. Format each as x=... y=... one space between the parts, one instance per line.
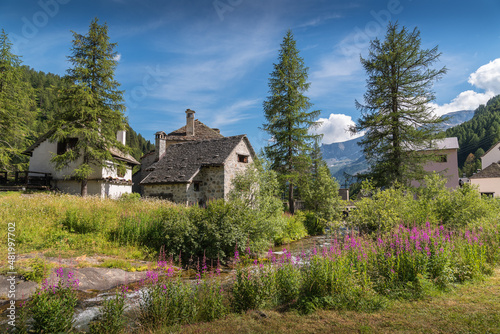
x=65 y=225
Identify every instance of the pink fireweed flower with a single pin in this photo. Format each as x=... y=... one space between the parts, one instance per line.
x=152 y=276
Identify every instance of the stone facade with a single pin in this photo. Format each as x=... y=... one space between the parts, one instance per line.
x=234 y=166
x=209 y=181
x=175 y=192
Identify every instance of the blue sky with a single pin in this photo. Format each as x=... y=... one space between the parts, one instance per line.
x=215 y=56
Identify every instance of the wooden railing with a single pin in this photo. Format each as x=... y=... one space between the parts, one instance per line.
x=25 y=178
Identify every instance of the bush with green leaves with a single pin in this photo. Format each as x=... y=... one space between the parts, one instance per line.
x=384 y=210
x=52 y=305
x=432 y=202
x=320 y=192
x=111 y=319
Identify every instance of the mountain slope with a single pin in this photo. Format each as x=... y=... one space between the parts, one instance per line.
x=347 y=157
x=478 y=134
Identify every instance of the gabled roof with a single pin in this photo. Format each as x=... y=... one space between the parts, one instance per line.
x=492 y=147
x=491 y=171
x=41 y=139
x=443 y=144
x=201 y=132
x=183 y=161
x=119 y=155
x=116 y=153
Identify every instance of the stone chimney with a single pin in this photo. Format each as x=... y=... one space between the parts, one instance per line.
x=190 y=122
x=160 y=144
x=121 y=136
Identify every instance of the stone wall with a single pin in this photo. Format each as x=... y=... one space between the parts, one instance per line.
x=210 y=181
x=175 y=192
x=233 y=166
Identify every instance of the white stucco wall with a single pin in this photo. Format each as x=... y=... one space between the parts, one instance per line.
x=94 y=188
x=40 y=161
x=493 y=155
x=488 y=185
x=448 y=169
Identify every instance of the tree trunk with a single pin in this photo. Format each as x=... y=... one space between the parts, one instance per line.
x=291 y=203
x=84 y=187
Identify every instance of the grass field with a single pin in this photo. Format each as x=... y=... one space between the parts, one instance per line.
x=473 y=307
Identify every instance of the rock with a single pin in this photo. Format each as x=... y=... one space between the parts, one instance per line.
x=23 y=289
x=90 y=279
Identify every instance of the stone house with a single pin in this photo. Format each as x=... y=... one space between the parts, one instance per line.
x=445 y=162
x=109 y=181
x=194 y=164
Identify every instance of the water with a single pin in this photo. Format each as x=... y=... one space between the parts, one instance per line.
x=89 y=303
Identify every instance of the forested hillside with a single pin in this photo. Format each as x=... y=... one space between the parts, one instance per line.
x=477 y=135
x=46 y=87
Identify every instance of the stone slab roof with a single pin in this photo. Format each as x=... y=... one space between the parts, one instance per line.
x=491 y=171
x=201 y=132
x=183 y=161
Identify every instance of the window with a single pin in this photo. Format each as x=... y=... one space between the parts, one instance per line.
x=442 y=158
x=196 y=186
x=66 y=145
x=243 y=158
x=488 y=194
x=121 y=170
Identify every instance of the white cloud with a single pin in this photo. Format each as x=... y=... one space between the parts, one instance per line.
x=486 y=77
x=235 y=113
x=335 y=128
x=118 y=57
x=468 y=100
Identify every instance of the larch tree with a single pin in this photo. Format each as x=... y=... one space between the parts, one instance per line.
x=288 y=118
x=93 y=106
x=17 y=107
x=396 y=113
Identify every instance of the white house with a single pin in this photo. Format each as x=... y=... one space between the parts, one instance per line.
x=445 y=162
x=491 y=156
x=488 y=179
x=110 y=181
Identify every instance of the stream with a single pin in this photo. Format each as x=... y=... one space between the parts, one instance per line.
x=89 y=303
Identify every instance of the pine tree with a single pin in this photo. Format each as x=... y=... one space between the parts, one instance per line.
x=288 y=118
x=16 y=107
x=396 y=114
x=93 y=105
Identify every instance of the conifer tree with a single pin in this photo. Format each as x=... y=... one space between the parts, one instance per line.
x=93 y=105
x=396 y=114
x=288 y=118
x=16 y=106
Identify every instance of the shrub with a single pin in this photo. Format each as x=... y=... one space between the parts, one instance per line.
x=52 y=306
x=168 y=303
x=39 y=270
x=252 y=288
x=292 y=228
x=110 y=319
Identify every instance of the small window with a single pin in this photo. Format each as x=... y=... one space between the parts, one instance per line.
x=243 y=158
x=66 y=145
x=442 y=158
x=488 y=194
x=196 y=186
